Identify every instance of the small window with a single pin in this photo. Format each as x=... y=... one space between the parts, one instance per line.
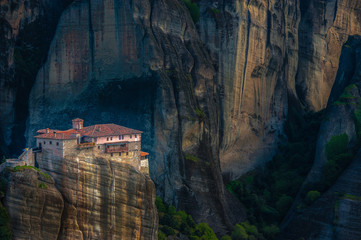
x=127 y=153
x=98 y=147
x=111 y=154
x=111 y=138
x=120 y=154
x=122 y=137
x=107 y=139
x=135 y=135
x=44 y=142
x=130 y=136
x=50 y=142
x=57 y=143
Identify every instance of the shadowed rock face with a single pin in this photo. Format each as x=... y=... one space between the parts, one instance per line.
x=34 y=206
x=336 y=213
x=26 y=29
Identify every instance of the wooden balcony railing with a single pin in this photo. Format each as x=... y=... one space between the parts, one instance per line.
x=116 y=149
x=86 y=145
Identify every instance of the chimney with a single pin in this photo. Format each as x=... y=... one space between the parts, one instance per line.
x=78 y=123
x=47 y=130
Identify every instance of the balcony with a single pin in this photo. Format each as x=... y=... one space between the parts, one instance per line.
x=116 y=149
x=86 y=145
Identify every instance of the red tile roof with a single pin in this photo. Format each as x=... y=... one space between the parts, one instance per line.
x=99 y=130
x=58 y=136
x=77 y=120
x=143 y=154
x=103 y=130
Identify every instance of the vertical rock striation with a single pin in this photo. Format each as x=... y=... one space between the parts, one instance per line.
x=104 y=199
x=325 y=26
x=254 y=46
x=34 y=205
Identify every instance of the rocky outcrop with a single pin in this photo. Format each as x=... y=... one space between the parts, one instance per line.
x=344 y=101
x=254 y=46
x=324 y=28
x=103 y=199
x=86 y=198
x=141 y=64
x=34 y=205
x=333 y=215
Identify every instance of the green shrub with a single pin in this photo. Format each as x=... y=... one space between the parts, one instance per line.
x=5 y=230
x=227 y=237
x=239 y=233
x=161 y=235
x=192 y=158
x=270 y=231
x=204 y=232
x=215 y=11
x=193 y=10
x=284 y=203
x=42 y=186
x=336 y=145
x=312 y=196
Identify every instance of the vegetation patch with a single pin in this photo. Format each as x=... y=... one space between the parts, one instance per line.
x=174 y=223
x=215 y=11
x=193 y=9
x=200 y=114
x=192 y=158
x=5 y=230
x=22 y=168
x=42 y=186
x=312 y=196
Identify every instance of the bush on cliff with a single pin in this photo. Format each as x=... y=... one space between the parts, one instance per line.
x=173 y=222
x=5 y=230
x=193 y=10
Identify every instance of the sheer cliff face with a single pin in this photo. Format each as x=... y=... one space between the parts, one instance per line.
x=34 y=206
x=26 y=29
x=141 y=64
x=254 y=45
x=87 y=198
x=325 y=26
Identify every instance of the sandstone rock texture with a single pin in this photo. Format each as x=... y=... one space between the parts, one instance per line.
x=86 y=198
x=104 y=199
x=254 y=46
x=34 y=206
x=324 y=28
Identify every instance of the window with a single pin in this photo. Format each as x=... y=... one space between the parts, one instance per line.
x=120 y=137
x=50 y=142
x=135 y=135
x=107 y=139
x=127 y=153
x=44 y=142
x=98 y=147
x=111 y=138
x=130 y=136
x=111 y=154
x=120 y=154
x=57 y=143
x=123 y=137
